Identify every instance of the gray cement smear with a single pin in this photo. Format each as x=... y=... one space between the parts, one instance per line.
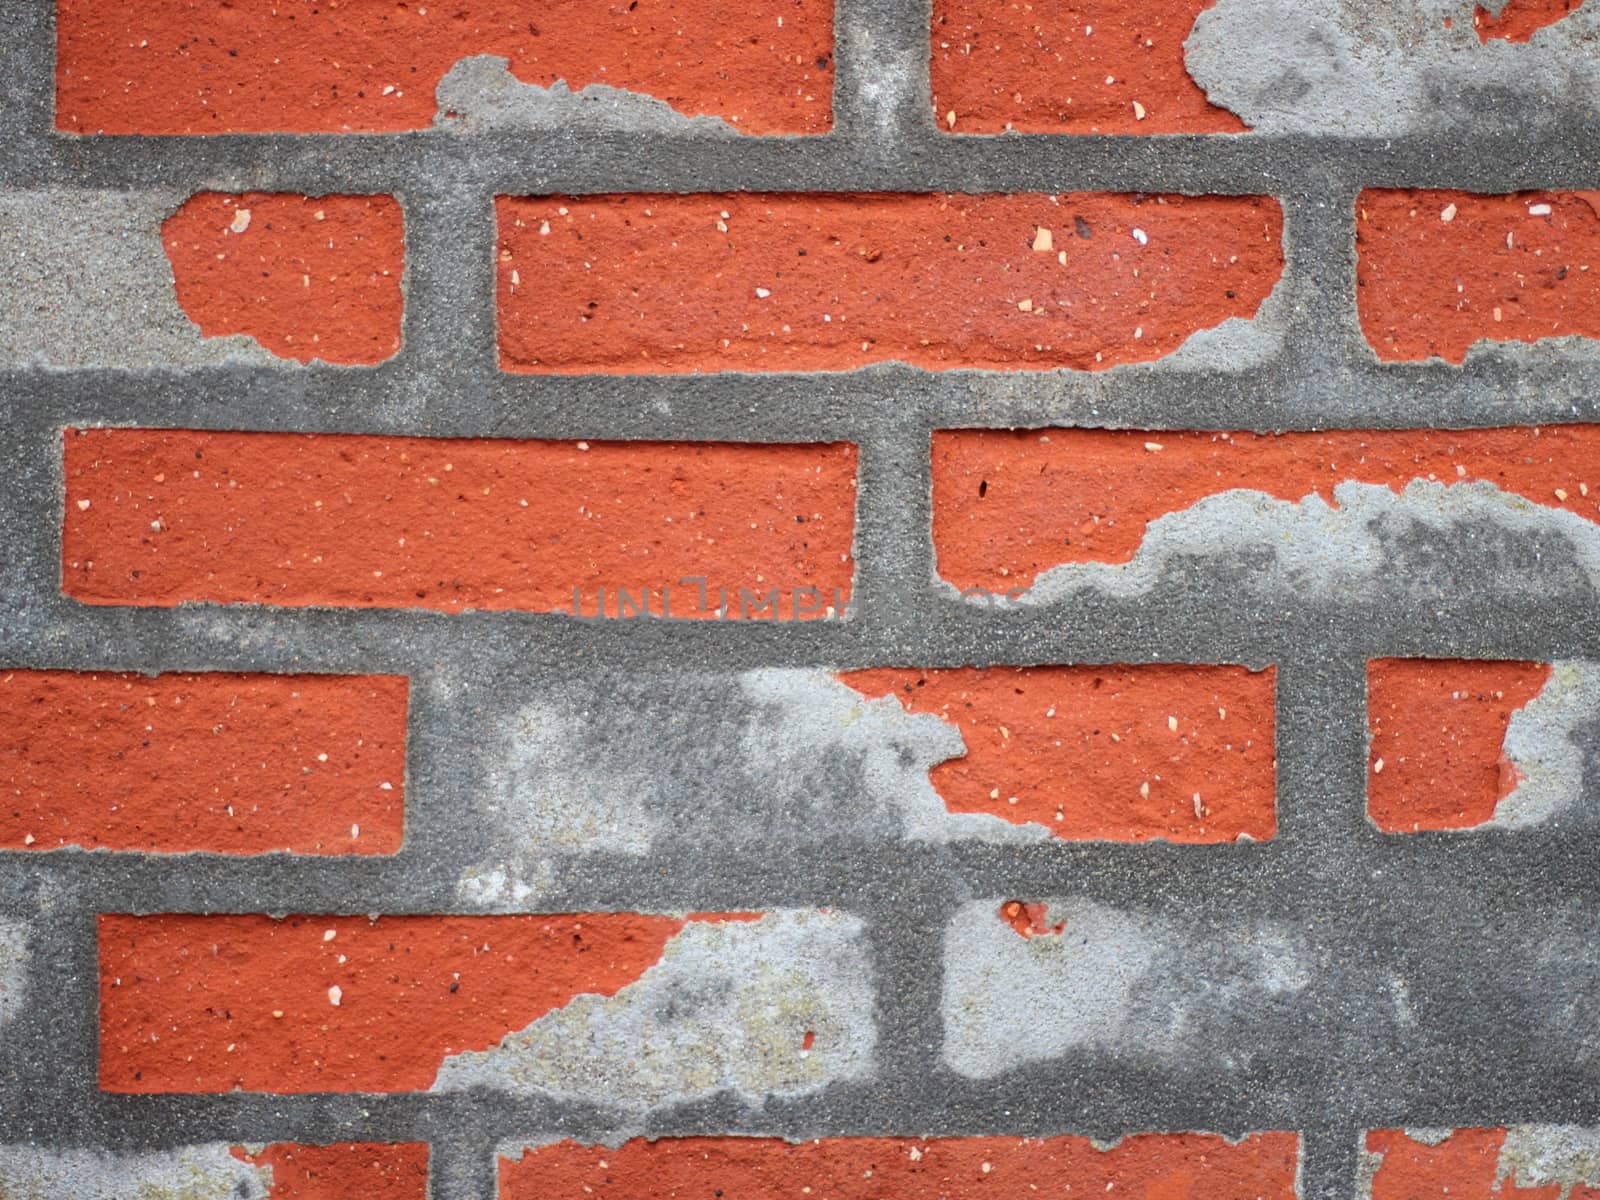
x=725 y=1010
x=13 y=972
x=1564 y=1156
x=1540 y=743
x=811 y=715
x=1238 y=343
x=207 y=1172
x=1112 y=981
x=1382 y=68
x=1430 y=539
x=633 y=763
x=480 y=94
x=85 y=282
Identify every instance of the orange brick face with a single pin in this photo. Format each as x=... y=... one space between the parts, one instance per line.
x=163 y=516
x=1435 y=760
x=1116 y=753
x=191 y=66
x=1519 y=20
x=373 y=1171
x=1147 y=1167
x=1010 y=504
x=1069 y=66
x=1438 y=271
x=628 y=284
x=1464 y=1166
x=341 y=1004
x=307 y=277
x=234 y=764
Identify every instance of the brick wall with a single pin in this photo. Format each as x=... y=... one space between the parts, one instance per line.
x=789 y=598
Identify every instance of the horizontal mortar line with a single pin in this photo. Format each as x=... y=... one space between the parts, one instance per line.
x=1154 y=876
x=964 y=1108
x=1133 y=632
x=934 y=632
x=813 y=407
x=127 y=1122
x=600 y=162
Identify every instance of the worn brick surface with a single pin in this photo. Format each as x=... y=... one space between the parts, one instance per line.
x=1149 y=1166
x=231 y=763
x=903 y=600
x=826 y=283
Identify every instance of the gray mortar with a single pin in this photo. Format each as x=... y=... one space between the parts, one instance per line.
x=1545 y=740
x=726 y=1010
x=207 y=1172
x=1369 y=543
x=627 y=764
x=1382 y=67
x=13 y=970
x=1114 y=981
x=84 y=282
x=480 y=93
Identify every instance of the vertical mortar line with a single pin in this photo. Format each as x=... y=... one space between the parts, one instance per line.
x=30 y=532
x=50 y=1046
x=462 y=1159
x=894 y=543
x=449 y=338
x=1329 y=1163
x=27 y=89
x=906 y=922
x=1323 y=340
x=881 y=94
x=1321 y=741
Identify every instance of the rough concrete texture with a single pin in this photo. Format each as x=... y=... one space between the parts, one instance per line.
x=777 y=1007
x=84 y=283
x=13 y=970
x=480 y=94
x=1549 y=742
x=626 y=763
x=1380 y=68
x=1370 y=543
x=1114 y=981
x=1562 y=1156
x=205 y=1172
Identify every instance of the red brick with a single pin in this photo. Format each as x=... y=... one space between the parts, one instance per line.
x=1069 y=66
x=218 y=1003
x=307 y=277
x=234 y=764
x=752 y=282
x=344 y=1170
x=1116 y=753
x=1010 y=504
x=300 y=66
x=1429 y=287
x=1435 y=759
x=1465 y=1166
x=159 y=517
x=1519 y=20
x=1196 y=1166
